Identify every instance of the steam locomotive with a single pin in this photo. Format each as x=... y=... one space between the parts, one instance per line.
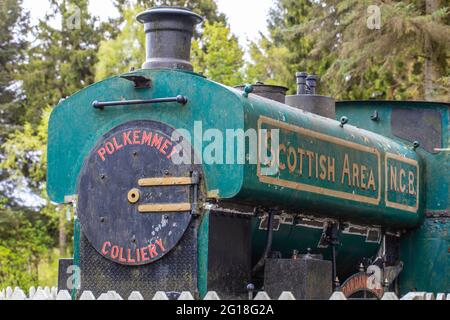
x=349 y=196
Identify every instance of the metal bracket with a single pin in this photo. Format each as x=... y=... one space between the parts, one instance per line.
x=192 y=182
x=101 y=105
x=140 y=82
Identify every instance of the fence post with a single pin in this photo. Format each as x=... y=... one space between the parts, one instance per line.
x=63 y=295
x=185 y=296
x=389 y=296
x=286 y=295
x=338 y=296
x=262 y=295
x=160 y=296
x=135 y=295
x=414 y=296
x=211 y=295
x=40 y=295
x=87 y=295
x=18 y=294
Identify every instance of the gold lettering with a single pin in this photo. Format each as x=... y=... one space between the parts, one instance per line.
x=371 y=183
x=355 y=175
x=346 y=170
x=301 y=153
x=291 y=165
x=411 y=179
x=331 y=169
x=310 y=157
x=317 y=166
x=282 y=149
x=402 y=185
x=323 y=167
x=363 y=177
x=394 y=179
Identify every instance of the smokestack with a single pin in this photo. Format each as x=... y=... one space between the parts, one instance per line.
x=307 y=99
x=168 y=32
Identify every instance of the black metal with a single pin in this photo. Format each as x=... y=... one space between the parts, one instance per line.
x=229 y=254
x=269 y=239
x=418 y=124
x=195 y=186
x=301 y=83
x=344 y=121
x=307 y=100
x=311 y=82
x=177 y=272
x=140 y=82
x=113 y=168
x=275 y=93
x=332 y=236
x=101 y=105
x=375 y=116
x=168 y=31
x=64 y=274
x=306 y=278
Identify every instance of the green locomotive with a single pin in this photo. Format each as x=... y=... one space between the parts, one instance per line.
x=184 y=184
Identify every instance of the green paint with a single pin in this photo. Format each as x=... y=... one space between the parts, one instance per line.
x=70 y=141
x=203 y=244
x=76 y=256
x=75 y=127
x=298 y=190
x=424 y=250
x=291 y=237
x=426 y=257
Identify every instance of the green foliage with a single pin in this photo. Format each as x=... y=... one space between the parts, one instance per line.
x=13 y=24
x=24 y=241
x=25 y=154
x=217 y=55
x=62 y=60
x=332 y=39
x=215 y=51
x=268 y=63
x=27 y=237
x=127 y=50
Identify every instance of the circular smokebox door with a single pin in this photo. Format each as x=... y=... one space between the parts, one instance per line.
x=134 y=202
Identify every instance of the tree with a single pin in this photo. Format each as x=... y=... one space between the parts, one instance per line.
x=217 y=55
x=13 y=26
x=62 y=58
x=275 y=58
x=28 y=233
x=407 y=58
x=127 y=50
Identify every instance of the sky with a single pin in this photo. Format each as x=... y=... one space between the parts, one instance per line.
x=247 y=18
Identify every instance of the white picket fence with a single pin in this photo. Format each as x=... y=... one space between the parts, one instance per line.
x=53 y=294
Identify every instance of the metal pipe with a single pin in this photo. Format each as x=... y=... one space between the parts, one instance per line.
x=100 y=105
x=168 y=32
x=301 y=82
x=269 y=238
x=311 y=82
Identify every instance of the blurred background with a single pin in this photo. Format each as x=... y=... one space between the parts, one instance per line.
x=50 y=49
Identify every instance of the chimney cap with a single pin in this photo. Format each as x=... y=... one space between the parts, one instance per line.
x=150 y=14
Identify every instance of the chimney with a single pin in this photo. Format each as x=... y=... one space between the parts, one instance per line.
x=307 y=99
x=168 y=32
